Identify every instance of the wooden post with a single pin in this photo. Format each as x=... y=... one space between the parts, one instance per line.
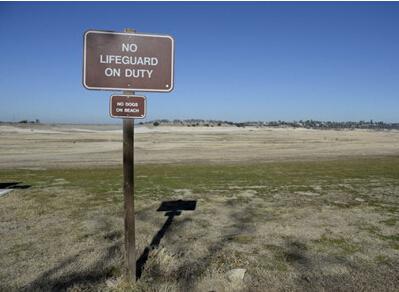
x=128 y=191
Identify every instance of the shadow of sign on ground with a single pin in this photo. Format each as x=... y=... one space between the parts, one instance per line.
x=6 y=187
x=13 y=185
x=172 y=209
x=96 y=273
x=102 y=268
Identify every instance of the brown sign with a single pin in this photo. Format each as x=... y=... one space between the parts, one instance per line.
x=127 y=106
x=128 y=61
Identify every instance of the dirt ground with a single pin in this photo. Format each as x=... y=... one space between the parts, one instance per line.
x=30 y=146
x=274 y=209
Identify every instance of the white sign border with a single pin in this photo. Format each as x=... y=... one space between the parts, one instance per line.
x=126 y=95
x=130 y=89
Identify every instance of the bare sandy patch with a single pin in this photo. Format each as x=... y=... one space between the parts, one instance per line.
x=80 y=145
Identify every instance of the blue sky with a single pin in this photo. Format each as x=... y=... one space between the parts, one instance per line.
x=234 y=61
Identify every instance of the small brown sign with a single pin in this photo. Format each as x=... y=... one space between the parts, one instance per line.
x=127 y=106
x=128 y=61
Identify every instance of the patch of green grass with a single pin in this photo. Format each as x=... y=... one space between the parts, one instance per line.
x=344 y=246
x=279 y=261
x=390 y=221
x=381 y=259
x=394 y=237
x=344 y=205
x=381 y=206
x=395 y=245
x=156 y=181
x=370 y=228
x=84 y=189
x=242 y=238
x=384 y=260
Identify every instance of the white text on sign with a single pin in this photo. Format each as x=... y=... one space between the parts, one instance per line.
x=128 y=60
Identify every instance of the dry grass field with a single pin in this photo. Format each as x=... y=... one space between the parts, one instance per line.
x=298 y=210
